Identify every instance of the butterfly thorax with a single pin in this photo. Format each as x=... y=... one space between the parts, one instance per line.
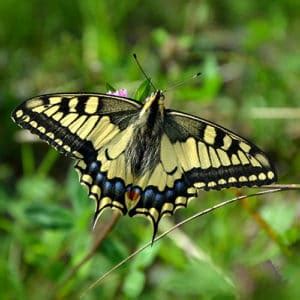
x=142 y=154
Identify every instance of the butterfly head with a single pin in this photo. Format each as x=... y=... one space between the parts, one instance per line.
x=153 y=103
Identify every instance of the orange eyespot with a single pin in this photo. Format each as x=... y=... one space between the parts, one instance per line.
x=133 y=195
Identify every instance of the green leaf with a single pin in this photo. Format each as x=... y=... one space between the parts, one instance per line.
x=143 y=90
x=48 y=216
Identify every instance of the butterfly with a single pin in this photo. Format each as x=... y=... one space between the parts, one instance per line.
x=142 y=158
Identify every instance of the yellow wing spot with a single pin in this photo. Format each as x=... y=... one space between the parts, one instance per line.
x=118 y=205
x=52 y=110
x=232 y=180
x=72 y=104
x=50 y=135
x=209 y=134
x=221 y=181
x=34 y=103
x=92 y=196
x=142 y=211
x=85 y=130
x=224 y=158
x=167 y=154
x=68 y=119
x=58 y=116
x=77 y=124
x=91 y=105
x=33 y=124
x=262 y=176
x=227 y=140
x=106 y=201
x=243 y=179
x=87 y=179
x=181 y=156
x=199 y=185
x=154 y=213
x=235 y=160
x=181 y=200
x=245 y=147
x=58 y=142
x=55 y=100
x=19 y=113
x=203 y=156
x=168 y=206
x=96 y=190
x=191 y=153
x=254 y=162
x=77 y=154
x=214 y=158
x=192 y=190
x=67 y=148
x=252 y=178
x=270 y=175
x=41 y=129
x=81 y=164
x=26 y=118
x=243 y=157
x=211 y=184
x=262 y=159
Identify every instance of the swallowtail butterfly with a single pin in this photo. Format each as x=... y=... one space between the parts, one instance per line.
x=142 y=159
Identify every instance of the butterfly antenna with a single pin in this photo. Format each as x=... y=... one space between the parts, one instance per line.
x=142 y=70
x=181 y=82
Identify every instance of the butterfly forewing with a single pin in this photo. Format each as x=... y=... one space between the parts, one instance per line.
x=70 y=122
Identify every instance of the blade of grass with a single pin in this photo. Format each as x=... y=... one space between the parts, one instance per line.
x=27 y=159
x=47 y=162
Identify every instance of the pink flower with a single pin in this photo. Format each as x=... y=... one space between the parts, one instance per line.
x=120 y=92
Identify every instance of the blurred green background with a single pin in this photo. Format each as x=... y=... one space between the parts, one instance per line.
x=248 y=53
